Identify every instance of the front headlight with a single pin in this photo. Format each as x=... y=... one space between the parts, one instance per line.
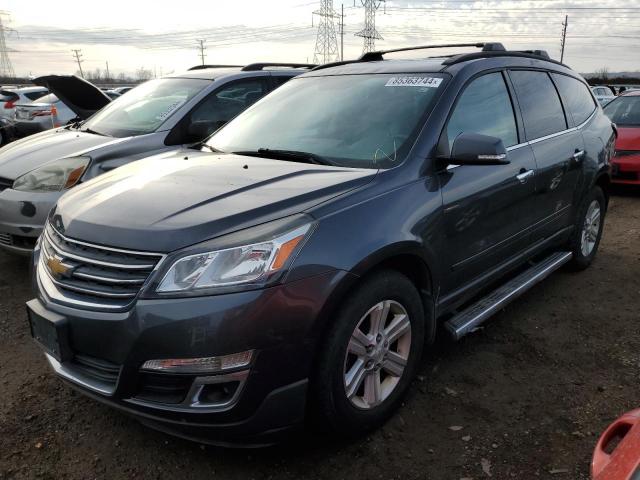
x=54 y=176
x=252 y=264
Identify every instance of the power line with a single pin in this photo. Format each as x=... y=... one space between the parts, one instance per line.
x=326 y=41
x=6 y=68
x=78 y=55
x=564 y=37
x=369 y=32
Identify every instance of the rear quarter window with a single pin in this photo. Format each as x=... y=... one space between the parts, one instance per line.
x=576 y=97
x=539 y=103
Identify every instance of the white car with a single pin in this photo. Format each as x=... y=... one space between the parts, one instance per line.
x=603 y=94
x=42 y=114
x=10 y=97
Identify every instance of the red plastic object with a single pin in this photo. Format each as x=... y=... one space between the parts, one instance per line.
x=624 y=460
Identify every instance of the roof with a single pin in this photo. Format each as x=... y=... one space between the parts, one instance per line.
x=630 y=93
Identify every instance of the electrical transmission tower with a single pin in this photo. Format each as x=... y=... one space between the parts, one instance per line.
x=563 y=42
x=6 y=69
x=202 y=48
x=327 y=40
x=369 y=33
x=78 y=56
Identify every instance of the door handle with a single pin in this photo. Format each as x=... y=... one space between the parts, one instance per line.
x=578 y=155
x=524 y=176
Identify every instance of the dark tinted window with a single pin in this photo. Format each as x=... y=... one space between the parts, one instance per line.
x=230 y=100
x=35 y=95
x=539 y=102
x=624 y=110
x=576 y=96
x=485 y=108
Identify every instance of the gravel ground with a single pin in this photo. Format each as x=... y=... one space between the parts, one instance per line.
x=525 y=397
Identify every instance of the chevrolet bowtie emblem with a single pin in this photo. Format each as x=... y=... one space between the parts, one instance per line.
x=56 y=267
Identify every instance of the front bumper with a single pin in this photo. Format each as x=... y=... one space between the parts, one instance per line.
x=626 y=169
x=280 y=324
x=22 y=217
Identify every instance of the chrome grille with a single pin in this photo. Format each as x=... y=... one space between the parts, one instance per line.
x=91 y=274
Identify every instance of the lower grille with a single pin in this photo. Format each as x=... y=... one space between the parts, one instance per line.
x=85 y=273
x=6 y=239
x=94 y=368
x=163 y=388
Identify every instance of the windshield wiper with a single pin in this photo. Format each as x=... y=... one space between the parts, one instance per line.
x=290 y=155
x=88 y=130
x=213 y=149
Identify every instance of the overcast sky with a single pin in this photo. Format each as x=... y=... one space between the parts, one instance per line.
x=162 y=35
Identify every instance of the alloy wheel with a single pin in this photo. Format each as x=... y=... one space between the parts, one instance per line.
x=377 y=354
x=590 y=228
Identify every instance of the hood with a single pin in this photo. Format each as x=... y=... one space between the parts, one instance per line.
x=82 y=97
x=171 y=201
x=22 y=156
x=628 y=138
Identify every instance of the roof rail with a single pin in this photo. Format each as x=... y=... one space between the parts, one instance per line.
x=203 y=67
x=533 y=54
x=260 y=66
x=379 y=54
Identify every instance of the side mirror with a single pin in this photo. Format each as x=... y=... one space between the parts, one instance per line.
x=476 y=149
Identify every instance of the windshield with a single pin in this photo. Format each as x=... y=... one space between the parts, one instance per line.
x=624 y=110
x=145 y=108
x=368 y=121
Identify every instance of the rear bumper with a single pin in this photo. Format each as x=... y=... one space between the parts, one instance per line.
x=626 y=170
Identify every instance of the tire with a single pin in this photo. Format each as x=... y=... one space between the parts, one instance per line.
x=587 y=234
x=363 y=411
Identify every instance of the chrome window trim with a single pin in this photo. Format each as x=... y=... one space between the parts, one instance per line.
x=542 y=139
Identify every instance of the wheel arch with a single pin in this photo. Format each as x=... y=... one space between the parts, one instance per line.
x=409 y=259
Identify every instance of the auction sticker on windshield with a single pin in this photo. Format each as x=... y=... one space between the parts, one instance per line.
x=414 y=82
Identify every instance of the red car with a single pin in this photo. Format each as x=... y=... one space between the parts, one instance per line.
x=624 y=111
x=617 y=455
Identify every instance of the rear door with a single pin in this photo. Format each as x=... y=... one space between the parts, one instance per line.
x=556 y=147
x=487 y=209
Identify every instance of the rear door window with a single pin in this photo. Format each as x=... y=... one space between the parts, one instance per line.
x=576 y=97
x=484 y=107
x=539 y=103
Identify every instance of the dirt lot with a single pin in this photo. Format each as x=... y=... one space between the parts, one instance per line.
x=530 y=392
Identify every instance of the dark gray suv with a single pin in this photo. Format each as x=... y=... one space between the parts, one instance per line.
x=296 y=265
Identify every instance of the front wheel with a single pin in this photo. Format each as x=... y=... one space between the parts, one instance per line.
x=588 y=230
x=370 y=355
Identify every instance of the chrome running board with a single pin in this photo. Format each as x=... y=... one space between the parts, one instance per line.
x=469 y=319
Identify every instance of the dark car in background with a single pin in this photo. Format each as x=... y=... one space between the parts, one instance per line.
x=294 y=267
x=157 y=117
